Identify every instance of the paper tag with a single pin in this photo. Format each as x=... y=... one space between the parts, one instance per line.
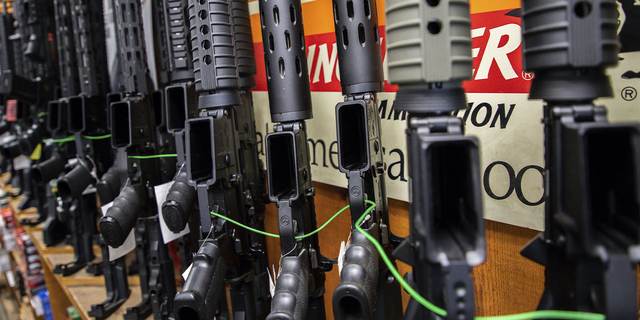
x=5 y=262
x=128 y=245
x=21 y=162
x=272 y=285
x=36 y=302
x=11 y=279
x=161 y=195
x=37 y=152
x=185 y=274
x=343 y=250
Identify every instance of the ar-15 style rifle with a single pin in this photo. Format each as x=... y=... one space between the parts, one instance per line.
x=87 y=120
x=15 y=82
x=133 y=133
x=300 y=287
x=30 y=78
x=214 y=169
x=429 y=50
x=592 y=168
x=180 y=104
x=251 y=166
x=365 y=291
x=108 y=188
x=57 y=111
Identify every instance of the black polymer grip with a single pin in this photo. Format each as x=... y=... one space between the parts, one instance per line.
x=200 y=295
x=120 y=219
x=355 y=297
x=292 y=289
x=214 y=61
x=358 y=43
x=180 y=59
x=44 y=171
x=131 y=47
x=180 y=200
x=10 y=150
x=32 y=137
x=108 y=186
x=285 y=60
x=75 y=181
x=69 y=81
x=89 y=32
x=244 y=39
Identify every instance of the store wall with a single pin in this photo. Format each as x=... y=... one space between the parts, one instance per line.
x=506 y=283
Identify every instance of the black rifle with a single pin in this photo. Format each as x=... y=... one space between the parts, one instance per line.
x=87 y=117
x=592 y=168
x=299 y=292
x=134 y=135
x=365 y=291
x=214 y=169
x=445 y=214
x=30 y=78
x=108 y=188
x=180 y=104
x=57 y=110
x=251 y=166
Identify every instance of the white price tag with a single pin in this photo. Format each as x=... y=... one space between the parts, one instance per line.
x=343 y=250
x=161 y=195
x=272 y=280
x=21 y=162
x=11 y=279
x=36 y=302
x=5 y=262
x=185 y=274
x=128 y=245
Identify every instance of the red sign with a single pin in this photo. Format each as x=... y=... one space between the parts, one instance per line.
x=496 y=51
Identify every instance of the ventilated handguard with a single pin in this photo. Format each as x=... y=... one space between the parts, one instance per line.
x=285 y=60
x=358 y=43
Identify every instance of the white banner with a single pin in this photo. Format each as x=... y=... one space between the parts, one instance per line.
x=508 y=127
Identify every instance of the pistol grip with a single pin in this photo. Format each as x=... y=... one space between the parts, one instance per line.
x=292 y=293
x=355 y=296
x=199 y=298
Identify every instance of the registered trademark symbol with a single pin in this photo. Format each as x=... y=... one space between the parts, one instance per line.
x=527 y=75
x=629 y=93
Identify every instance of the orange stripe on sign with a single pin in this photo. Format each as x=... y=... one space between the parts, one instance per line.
x=318 y=18
x=318 y=15
x=478 y=6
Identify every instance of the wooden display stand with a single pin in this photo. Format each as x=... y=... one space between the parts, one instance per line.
x=506 y=283
x=80 y=290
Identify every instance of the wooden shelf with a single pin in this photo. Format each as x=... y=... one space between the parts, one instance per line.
x=84 y=296
x=81 y=289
